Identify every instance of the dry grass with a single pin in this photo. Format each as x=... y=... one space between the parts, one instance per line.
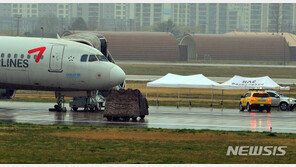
x=26 y=143
x=123 y=135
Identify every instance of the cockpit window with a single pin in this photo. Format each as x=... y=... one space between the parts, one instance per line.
x=83 y=58
x=92 y=58
x=102 y=58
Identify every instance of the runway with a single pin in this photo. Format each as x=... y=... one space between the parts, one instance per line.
x=282 y=81
x=160 y=117
x=204 y=64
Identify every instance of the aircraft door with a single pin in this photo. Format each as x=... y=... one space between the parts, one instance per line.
x=56 y=58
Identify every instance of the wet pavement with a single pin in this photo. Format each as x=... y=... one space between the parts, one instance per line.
x=282 y=81
x=160 y=117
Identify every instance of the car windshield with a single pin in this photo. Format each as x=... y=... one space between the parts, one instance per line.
x=101 y=58
x=260 y=95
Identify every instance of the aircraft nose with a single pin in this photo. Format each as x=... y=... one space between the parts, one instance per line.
x=117 y=75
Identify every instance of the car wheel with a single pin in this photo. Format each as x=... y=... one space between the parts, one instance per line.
x=249 y=107
x=241 y=108
x=268 y=109
x=284 y=106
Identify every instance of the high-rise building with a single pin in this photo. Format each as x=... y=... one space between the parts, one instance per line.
x=213 y=18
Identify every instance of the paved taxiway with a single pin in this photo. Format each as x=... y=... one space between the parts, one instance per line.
x=160 y=117
x=204 y=64
x=282 y=81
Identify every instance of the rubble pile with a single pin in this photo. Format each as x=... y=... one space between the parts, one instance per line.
x=126 y=104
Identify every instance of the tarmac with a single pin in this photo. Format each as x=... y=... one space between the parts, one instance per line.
x=205 y=64
x=281 y=81
x=159 y=117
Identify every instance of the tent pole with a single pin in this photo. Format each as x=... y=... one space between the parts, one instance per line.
x=178 y=98
x=157 y=102
x=189 y=97
x=222 y=100
x=289 y=99
x=212 y=97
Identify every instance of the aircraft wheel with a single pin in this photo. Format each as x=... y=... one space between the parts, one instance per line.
x=75 y=108
x=126 y=119
x=109 y=118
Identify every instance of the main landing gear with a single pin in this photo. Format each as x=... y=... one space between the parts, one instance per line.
x=59 y=107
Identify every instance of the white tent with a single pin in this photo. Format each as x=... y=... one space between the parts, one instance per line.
x=239 y=82
x=179 y=81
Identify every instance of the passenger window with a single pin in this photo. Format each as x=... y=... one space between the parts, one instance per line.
x=271 y=94
x=22 y=56
x=92 y=58
x=42 y=56
x=83 y=58
x=2 y=55
x=35 y=56
x=29 y=56
x=9 y=55
x=102 y=58
x=15 y=56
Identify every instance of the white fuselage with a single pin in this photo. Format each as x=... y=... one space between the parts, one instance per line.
x=60 y=66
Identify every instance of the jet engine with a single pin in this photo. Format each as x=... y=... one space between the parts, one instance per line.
x=7 y=93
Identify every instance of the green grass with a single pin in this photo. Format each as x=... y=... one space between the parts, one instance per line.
x=27 y=143
x=208 y=71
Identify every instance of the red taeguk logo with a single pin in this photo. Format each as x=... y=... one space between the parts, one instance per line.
x=40 y=50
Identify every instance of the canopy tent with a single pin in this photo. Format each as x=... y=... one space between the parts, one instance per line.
x=179 y=81
x=239 y=82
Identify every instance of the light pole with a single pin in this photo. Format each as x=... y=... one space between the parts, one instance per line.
x=18 y=24
x=42 y=32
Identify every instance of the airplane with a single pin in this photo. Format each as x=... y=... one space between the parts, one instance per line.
x=54 y=65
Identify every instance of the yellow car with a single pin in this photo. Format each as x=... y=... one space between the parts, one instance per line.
x=255 y=100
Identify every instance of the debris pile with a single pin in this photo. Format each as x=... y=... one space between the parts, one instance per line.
x=125 y=104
